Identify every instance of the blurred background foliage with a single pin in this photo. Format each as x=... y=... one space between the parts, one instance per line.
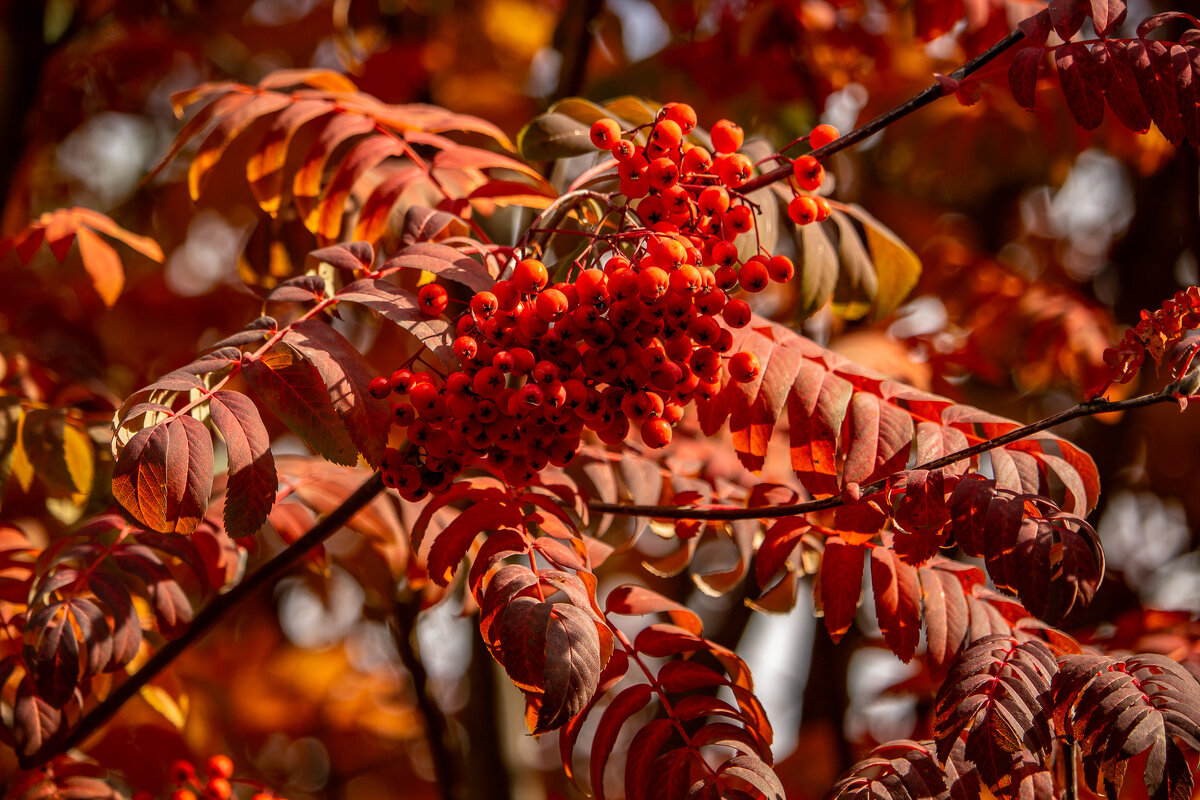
x=1038 y=240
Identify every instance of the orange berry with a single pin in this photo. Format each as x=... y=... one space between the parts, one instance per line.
x=734 y=169
x=530 y=275
x=605 y=133
x=656 y=433
x=220 y=766
x=726 y=136
x=744 y=367
x=803 y=209
x=822 y=135
x=432 y=299
x=808 y=172
x=682 y=115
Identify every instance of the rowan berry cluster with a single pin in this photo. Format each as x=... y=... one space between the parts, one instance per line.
x=640 y=325
x=214 y=784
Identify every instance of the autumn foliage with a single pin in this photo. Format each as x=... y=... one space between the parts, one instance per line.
x=608 y=383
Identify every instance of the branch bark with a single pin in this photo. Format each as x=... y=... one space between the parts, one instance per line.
x=919 y=100
x=215 y=611
x=1087 y=408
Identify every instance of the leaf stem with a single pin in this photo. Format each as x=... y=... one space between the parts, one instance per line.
x=919 y=100
x=1087 y=408
x=212 y=613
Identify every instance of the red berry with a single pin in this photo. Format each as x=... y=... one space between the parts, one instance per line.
x=484 y=304
x=734 y=169
x=379 y=388
x=808 y=172
x=466 y=348
x=551 y=305
x=183 y=794
x=822 y=135
x=530 y=276
x=605 y=133
x=743 y=367
x=781 y=269
x=803 y=209
x=181 y=772
x=740 y=219
x=696 y=160
x=736 y=313
x=432 y=299
x=219 y=766
x=623 y=150
x=666 y=134
x=682 y=115
x=218 y=789
x=753 y=276
x=824 y=209
x=713 y=200
x=726 y=136
x=656 y=433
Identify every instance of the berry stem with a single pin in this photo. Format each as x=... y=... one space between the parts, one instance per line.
x=1087 y=408
x=212 y=613
x=919 y=100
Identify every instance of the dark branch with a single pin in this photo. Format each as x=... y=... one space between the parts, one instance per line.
x=403 y=626
x=920 y=100
x=217 y=609
x=1085 y=409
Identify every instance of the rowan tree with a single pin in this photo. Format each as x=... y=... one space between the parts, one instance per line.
x=454 y=402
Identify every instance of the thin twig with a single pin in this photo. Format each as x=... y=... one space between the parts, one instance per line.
x=923 y=98
x=1085 y=409
x=334 y=521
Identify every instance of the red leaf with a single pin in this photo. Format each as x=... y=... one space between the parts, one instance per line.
x=816 y=409
x=840 y=585
x=292 y=387
x=631 y=599
x=400 y=307
x=163 y=477
x=1037 y=27
x=326 y=219
x=1080 y=86
x=622 y=707
x=347 y=376
x=897 y=602
x=945 y=614
x=103 y=265
x=642 y=754
x=780 y=540
x=445 y=262
x=1067 y=17
x=36 y=724
x=301 y=289
x=350 y=257
x=451 y=544
x=1107 y=15
x=1022 y=75
x=572 y=666
x=252 y=477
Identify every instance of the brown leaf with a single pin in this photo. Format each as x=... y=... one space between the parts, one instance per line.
x=292 y=387
x=252 y=479
x=163 y=477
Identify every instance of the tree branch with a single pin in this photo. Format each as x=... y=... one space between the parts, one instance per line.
x=402 y=625
x=1085 y=409
x=334 y=521
x=919 y=100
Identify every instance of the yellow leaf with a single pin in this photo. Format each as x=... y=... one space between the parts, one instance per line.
x=80 y=457
x=22 y=467
x=896 y=265
x=162 y=702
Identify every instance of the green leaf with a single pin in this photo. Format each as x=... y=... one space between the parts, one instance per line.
x=896 y=265
x=551 y=136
